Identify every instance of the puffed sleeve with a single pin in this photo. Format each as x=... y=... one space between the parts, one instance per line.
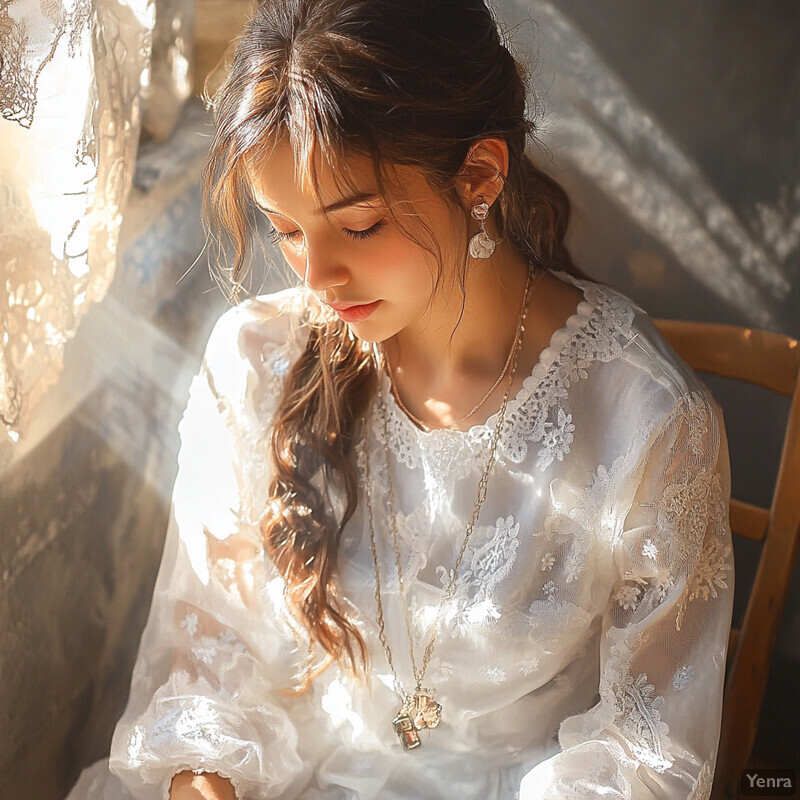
x=655 y=730
x=206 y=687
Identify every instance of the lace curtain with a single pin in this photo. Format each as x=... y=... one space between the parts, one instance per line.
x=73 y=78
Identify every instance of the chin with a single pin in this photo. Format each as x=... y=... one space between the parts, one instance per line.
x=373 y=332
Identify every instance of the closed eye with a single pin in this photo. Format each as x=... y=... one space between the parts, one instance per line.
x=279 y=236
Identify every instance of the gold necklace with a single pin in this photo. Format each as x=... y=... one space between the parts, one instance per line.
x=421 y=711
x=424 y=425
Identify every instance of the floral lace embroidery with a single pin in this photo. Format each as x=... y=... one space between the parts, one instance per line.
x=636 y=709
x=702 y=786
x=414 y=533
x=185 y=720
x=598 y=331
x=206 y=649
x=551 y=624
x=487 y=564
x=572 y=523
x=493 y=675
x=683 y=676
x=689 y=530
x=629 y=591
x=692 y=512
x=528 y=666
x=277 y=363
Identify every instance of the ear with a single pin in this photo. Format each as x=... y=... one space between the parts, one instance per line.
x=483 y=172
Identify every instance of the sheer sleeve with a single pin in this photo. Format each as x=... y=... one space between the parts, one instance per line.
x=655 y=730
x=205 y=693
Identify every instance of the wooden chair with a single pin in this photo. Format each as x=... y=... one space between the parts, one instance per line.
x=772 y=361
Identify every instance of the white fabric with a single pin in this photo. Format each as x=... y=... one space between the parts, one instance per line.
x=71 y=76
x=583 y=654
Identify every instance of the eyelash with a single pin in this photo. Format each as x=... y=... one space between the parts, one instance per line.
x=278 y=236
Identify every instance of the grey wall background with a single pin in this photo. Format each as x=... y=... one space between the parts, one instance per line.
x=674 y=126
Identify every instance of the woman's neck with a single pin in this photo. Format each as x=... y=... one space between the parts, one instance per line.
x=439 y=376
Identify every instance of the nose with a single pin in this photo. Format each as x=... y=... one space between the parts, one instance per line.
x=322 y=274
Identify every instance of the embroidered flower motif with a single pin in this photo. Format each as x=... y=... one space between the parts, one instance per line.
x=442 y=670
x=208 y=648
x=663 y=583
x=493 y=675
x=190 y=623
x=528 y=666
x=636 y=708
x=649 y=550
x=492 y=562
x=556 y=439
x=628 y=593
x=576 y=512
x=683 y=677
x=549 y=591
x=276 y=360
x=548 y=559
x=228 y=637
x=487 y=565
x=553 y=623
x=206 y=651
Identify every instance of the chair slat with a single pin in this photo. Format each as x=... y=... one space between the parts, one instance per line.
x=770 y=360
x=767 y=359
x=748 y=520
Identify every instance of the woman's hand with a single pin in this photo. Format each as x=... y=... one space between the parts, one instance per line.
x=188 y=785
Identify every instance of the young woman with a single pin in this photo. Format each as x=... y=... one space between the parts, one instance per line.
x=450 y=519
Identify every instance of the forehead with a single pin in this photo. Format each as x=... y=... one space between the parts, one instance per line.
x=278 y=179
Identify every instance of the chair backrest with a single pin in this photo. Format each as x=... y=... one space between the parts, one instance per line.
x=770 y=360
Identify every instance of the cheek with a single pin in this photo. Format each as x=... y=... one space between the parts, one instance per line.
x=405 y=264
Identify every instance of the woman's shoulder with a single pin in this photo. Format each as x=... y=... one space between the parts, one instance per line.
x=274 y=315
x=642 y=348
x=257 y=337
x=643 y=373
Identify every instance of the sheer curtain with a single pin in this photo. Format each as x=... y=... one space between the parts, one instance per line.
x=77 y=83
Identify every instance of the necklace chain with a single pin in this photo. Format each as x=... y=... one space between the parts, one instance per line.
x=419 y=674
x=424 y=425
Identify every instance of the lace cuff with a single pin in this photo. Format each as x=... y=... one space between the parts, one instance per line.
x=655 y=731
x=237 y=787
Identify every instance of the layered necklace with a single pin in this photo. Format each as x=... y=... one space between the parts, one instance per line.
x=419 y=710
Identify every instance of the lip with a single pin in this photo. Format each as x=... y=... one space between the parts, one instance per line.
x=354 y=312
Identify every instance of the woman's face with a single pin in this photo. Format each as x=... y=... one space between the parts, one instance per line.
x=358 y=256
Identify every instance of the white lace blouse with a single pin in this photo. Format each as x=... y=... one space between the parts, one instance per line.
x=583 y=652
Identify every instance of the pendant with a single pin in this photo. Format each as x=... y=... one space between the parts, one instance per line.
x=405 y=730
x=418 y=713
x=425 y=711
x=481 y=245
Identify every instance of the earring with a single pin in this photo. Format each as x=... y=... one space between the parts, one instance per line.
x=481 y=245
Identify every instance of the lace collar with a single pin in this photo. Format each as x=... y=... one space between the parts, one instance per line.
x=598 y=329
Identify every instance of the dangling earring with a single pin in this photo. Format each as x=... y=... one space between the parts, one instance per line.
x=481 y=245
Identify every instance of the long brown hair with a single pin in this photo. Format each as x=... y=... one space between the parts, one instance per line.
x=413 y=83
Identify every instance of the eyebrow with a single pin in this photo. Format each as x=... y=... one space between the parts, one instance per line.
x=344 y=202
